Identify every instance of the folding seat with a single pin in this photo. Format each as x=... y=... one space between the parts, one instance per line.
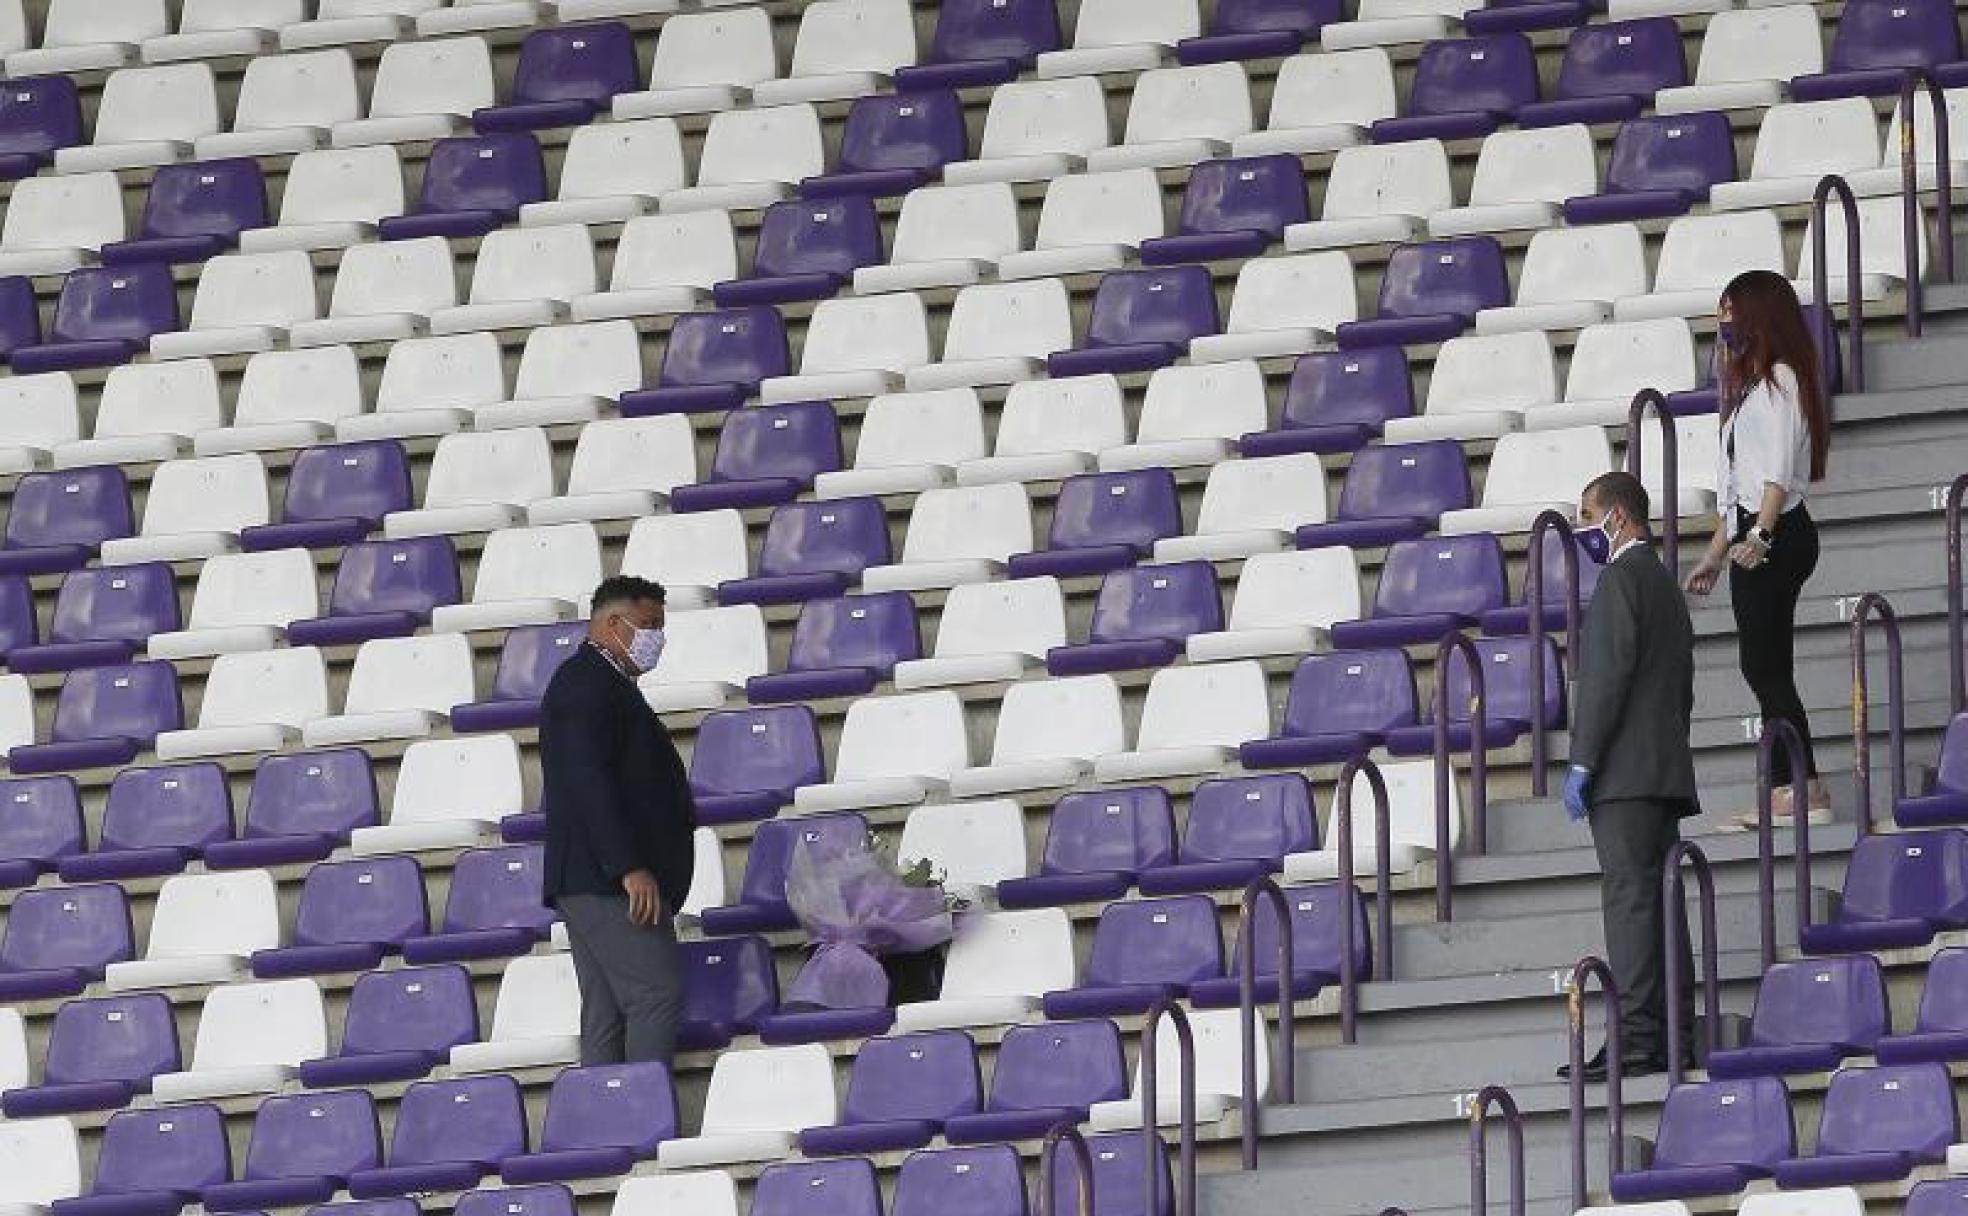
x=988 y=1179
x=336 y=495
x=1180 y=116
x=623 y=468
x=287 y=103
x=1144 y=950
x=705 y=63
x=55 y=224
x=1321 y=103
x=842 y=647
x=1037 y=130
x=401 y=1023
x=1317 y=916
x=1887 y=177
x=1879 y=1124
x=1104 y=521
x=999 y=964
x=1610 y=73
x=479 y=482
x=155 y=821
x=399 y=688
x=104 y=717
x=42 y=826
x=535 y=1021
x=894 y=144
x=901 y=1091
x=1699 y=256
x=893 y=751
x=663 y=264
x=1283 y=306
x=974 y=845
x=1936 y=1197
x=691 y=554
x=523 y=277
x=711 y=1192
x=302 y=806
x=214 y=29
x=599 y=1123
x=1051 y=429
x=1899 y=889
x=16 y=710
x=304 y=1146
x=568 y=374
x=60 y=939
x=846 y=1185
x=1218 y=1036
x=766 y=456
x=101 y=617
x=1431 y=291
x=13 y=1051
x=471 y=16
x=147 y=116
x=472 y=185
x=713 y=362
x=807 y=249
x=1715 y=1138
x=1118 y=36
x=1337 y=402
x=746 y=764
x=910 y=443
x=246 y=302
x=1660 y=166
x=1799 y=143
x=814 y=549
x=758 y=1102
x=195 y=211
x=946 y=236
x=1571 y=277
x=254 y=701
x=1257 y=29
x=1142 y=617
x=1239 y=829
x=527 y=577
x=450 y=793
x=423 y=90
x=1428 y=587
x=1481 y=387
x=1810 y=1015
x=494 y=909
x=1510 y=701
x=78 y=36
x=1000 y=333
x=1049 y=733
x=990 y=632
x=1251 y=507
x=1522 y=179
x=1882 y=252
x=20 y=319
x=1097 y=844
x=100 y=1054
x=1177 y=428
x=287 y=399
x=856 y=348
x=1192 y=721
x=1943 y=803
x=1612 y=362
x=1285 y=604
x=352 y=22
x=40 y=413
x=1533 y=473
x=202 y=931
x=42 y=1160
x=1516 y=619
x=18 y=625
x=956 y=537
x=565 y=77
x=352 y=915
x=1340 y=706
x=751 y=158
x=104 y=317
x=1877 y=44
x=151 y=1159
x=730 y=987
x=197 y=508
x=1464 y=88
x=1378 y=194
x=39 y=116
x=449 y=1135
x=333 y=200
x=712 y=653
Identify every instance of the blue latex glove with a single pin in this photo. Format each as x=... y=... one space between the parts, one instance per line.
x=1578 y=792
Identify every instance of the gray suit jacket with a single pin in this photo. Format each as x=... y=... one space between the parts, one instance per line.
x=1635 y=690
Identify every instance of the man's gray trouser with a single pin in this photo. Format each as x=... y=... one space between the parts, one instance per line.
x=1632 y=839
x=631 y=980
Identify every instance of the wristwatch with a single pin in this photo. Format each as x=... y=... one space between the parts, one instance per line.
x=1762 y=536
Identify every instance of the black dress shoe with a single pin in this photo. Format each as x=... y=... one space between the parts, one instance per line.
x=1630 y=1067
x=1595 y=1068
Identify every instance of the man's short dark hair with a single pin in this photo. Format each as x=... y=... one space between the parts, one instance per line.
x=1621 y=492
x=625 y=589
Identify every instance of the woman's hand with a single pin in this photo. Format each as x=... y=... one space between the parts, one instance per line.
x=1702 y=579
x=1748 y=554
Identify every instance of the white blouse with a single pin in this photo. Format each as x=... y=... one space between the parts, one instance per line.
x=1765 y=442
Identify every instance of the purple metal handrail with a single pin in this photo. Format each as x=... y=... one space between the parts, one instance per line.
x=1669 y=508
x=1284 y=1054
x=1479 y=1150
x=1778 y=732
x=1871 y=605
x=1185 y=1044
x=1383 y=939
x=1674 y=908
x=1911 y=218
x=1541 y=528
x=1453 y=643
x=1586 y=968
x=1957 y=681
x=1828 y=185
x=1066 y=1133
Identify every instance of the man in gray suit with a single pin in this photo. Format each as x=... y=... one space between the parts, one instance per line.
x=1632 y=770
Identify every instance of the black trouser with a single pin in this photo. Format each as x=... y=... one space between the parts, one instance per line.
x=1765 y=604
x=1632 y=839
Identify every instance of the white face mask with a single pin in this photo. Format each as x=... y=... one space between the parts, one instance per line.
x=645 y=648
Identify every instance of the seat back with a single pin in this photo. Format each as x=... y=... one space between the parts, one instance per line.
x=414 y=277
x=631 y=1106
x=120 y=304
x=1538 y=165
x=915 y=734
x=1602 y=262
x=939 y=222
x=589 y=62
x=43 y=819
x=206 y=494
x=41 y=1160
x=1027 y=320
x=730 y=984
x=701 y=549
x=847 y=1186
x=795 y=441
x=174 y=102
x=117 y=1038
x=1533 y=467
x=991 y=522
x=538 y=998
x=433 y=76
x=131 y=701
x=1250 y=194
x=1621 y=59
x=1363 y=387
x=888 y=333
x=116 y=604
x=1492 y=74
x=1687 y=153
x=1813 y=138
x=181 y=1147
x=1136 y=508
x=1745 y=1122
x=840 y=536
x=320 y=385
x=1010 y=954
x=1777 y=42
x=219 y=198
x=396 y=576
x=1265 y=492
x=280 y=1022
x=917 y=132
x=204 y=914
x=377 y=901
x=1308 y=290
x=1458 y=277
x=441 y=780
x=560 y=562
x=1077 y=718
x=709 y=1192
x=40 y=114
x=1876 y=34
x=1121 y=830
x=1614 y=361
x=1923 y=875
x=76 y=210
x=511 y=466
x=765 y=144
x=316 y=1135
x=874 y=631
x=1156 y=941
x=1208 y=102
x=1316 y=587
x=974 y=845
x=1165 y=305
x=284 y=687
x=719 y=645
x=179 y=807
x=341 y=185
x=734 y=47
x=1016 y=616
x=771 y=1089
x=1462 y=575
x=829 y=236
x=616 y=159
x=1906 y=1108
x=733 y=346
x=741 y=751
x=431 y=673
x=469 y=1119
x=364 y=481
x=1837 y=1001
x=617 y=454
x=1046 y=118
x=1076 y=414
x=497 y=888
x=326 y=792
x=841 y=36
x=1355 y=691
x=39 y=411
x=994 y=29
x=497 y=173
x=931 y=1076
x=81 y=927
x=1354 y=87
x=305 y=89
x=1122 y=207
x=1251 y=818
x=423 y=1009
x=555 y=262
x=1203 y=401
x=1157 y=603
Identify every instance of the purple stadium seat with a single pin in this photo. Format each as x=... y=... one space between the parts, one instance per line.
x=104 y=717
x=766 y=455
x=495 y=908
x=401 y=1024
x=304 y=1148
x=449 y=1135
x=893 y=143
x=814 y=549
x=1258 y=29
x=101 y=1053
x=352 y=915
x=1900 y=890
x=843 y=647
x=843 y=1187
x=1611 y=72
x=1233 y=209
x=336 y=495
x=1516 y=619
x=1104 y=521
x=1337 y=403
x=984 y=1181
x=1509 y=702
x=747 y=763
x=18 y=626
x=983 y=42
x=1947 y=801
x=1119 y=1163
x=1661 y=166
x=1427 y=588
x=1340 y=706
x=713 y=362
x=302 y=806
x=1940 y=1029
x=1809 y=1016
x=194 y=212
x=104 y=616
x=1393 y=494
x=153 y=1162
x=1878 y=1124
x=383 y=589
x=761 y=906
x=527 y=661
x=1431 y=291
x=1877 y=41
x=600 y=1122
x=1239 y=828
x=58 y=520
x=40 y=825
x=808 y=248
x=550 y=1199
x=472 y=184
x=1142 y=320
x=1938 y=1197
x=1097 y=844
x=1142 y=618
x=1715 y=1137
x=20 y=315
x=900 y=1093
x=730 y=987
x=105 y=316
x=566 y=75
x=155 y=821
x=1465 y=88
x=1144 y=950
x=1524 y=16
x=38 y=116
x=1316 y=913
x=1046 y=1074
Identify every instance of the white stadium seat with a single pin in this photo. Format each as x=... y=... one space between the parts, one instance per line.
x=1123 y=36
x=146 y=412
x=1827 y=1201
x=1534 y=472
x=999 y=333
x=15 y=1072
x=999 y=965
x=217 y=29
x=399 y=688
x=1882 y=251
x=1888 y=177
x=1284 y=306
x=1090 y=222
x=1571 y=278
x=990 y=633
x=958 y=535
x=711 y=653
x=523 y=277
x=423 y=91
x=1049 y=734
x=909 y=442
x=536 y=1019
x=1481 y=387
x=623 y=468
x=203 y=930
x=665 y=264
x=1611 y=363
x=1192 y=722
x=91 y=36
x=1286 y=602
x=1193 y=415
x=894 y=751
x=16 y=711
x=758 y=1102
x=856 y=347
x=706 y=63
x=689 y=554
x=288 y=399
x=333 y=199
x=56 y=223
x=146 y=117
x=450 y=793
x=37 y=414
x=946 y=236
x=479 y=482
x=252 y=1039
x=1797 y=145
x=845 y=48
x=40 y=1163
x=1698 y=451
x=1052 y=429
x=1411 y=818
x=613 y=172
x=1393 y=22
x=431 y=386
x=528 y=576
x=1522 y=179
x=472 y=16
x=384 y=291
x=1037 y=130
x=568 y=374
x=1698 y=257
x=707 y=886
x=246 y=302
x=699 y=1192
x=244 y=602
x=753 y=158
x=349 y=22
x=1748 y=58
x=973 y=845
x=1179 y=116
x=196 y=508
x=1252 y=506
x=1321 y=103
x=255 y=700
x=1378 y=194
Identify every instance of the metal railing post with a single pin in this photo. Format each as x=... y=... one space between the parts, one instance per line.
x=1777 y=732
x=1383 y=936
x=1541 y=529
x=1185 y=1042
x=1957 y=680
x=1479 y=1164
x=1650 y=399
x=1454 y=643
x=1587 y=968
x=1066 y=1133
x=1829 y=185
x=1674 y=906
x=1912 y=219
x=1285 y=1054
x=1871 y=605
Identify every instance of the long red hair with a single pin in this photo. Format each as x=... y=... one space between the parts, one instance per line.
x=1770 y=330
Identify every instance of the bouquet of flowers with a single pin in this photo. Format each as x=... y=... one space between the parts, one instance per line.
x=857 y=902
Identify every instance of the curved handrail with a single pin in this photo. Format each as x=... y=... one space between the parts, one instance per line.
x=1911 y=217
x=1383 y=938
x=1185 y=1043
x=1452 y=643
x=1778 y=732
x=1874 y=605
x=1957 y=680
x=1479 y=1149
x=1284 y=1055
x=1674 y=906
x=1065 y=1133
x=1828 y=185
x=1669 y=509
x=1587 y=968
x=1547 y=522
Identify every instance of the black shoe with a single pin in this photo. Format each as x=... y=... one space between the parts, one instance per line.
x=1630 y=1067
x=1595 y=1068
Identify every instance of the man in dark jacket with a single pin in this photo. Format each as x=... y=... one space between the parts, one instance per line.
x=1632 y=769
x=619 y=824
